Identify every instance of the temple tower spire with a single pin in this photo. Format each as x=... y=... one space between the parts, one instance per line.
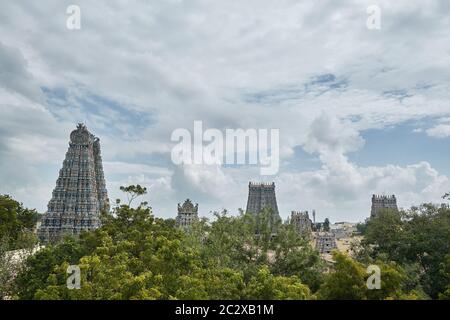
x=382 y=202
x=80 y=193
x=262 y=196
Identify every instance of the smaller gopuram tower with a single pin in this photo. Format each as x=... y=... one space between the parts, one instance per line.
x=325 y=242
x=302 y=223
x=187 y=214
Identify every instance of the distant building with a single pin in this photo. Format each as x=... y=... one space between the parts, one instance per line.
x=302 y=223
x=380 y=202
x=80 y=193
x=325 y=242
x=343 y=229
x=187 y=215
x=262 y=196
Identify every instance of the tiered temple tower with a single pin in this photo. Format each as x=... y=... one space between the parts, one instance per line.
x=261 y=196
x=302 y=223
x=325 y=242
x=381 y=203
x=80 y=193
x=187 y=214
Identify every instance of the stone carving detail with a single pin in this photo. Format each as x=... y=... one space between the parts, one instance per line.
x=80 y=193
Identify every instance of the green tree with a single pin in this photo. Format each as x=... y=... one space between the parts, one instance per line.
x=215 y=283
x=137 y=256
x=265 y=286
x=345 y=282
x=361 y=227
x=386 y=232
x=133 y=192
x=294 y=256
x=16 y=223
x=348 y=281
x=445 y=272
x=418 y=236
x=230 y=242
x=39 y=266
x=17 y=241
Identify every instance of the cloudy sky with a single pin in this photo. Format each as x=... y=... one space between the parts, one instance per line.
x=359 y=111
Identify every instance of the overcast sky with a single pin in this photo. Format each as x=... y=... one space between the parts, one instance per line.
x=359 y=111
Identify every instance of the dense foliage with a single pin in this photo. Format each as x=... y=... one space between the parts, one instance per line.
x=16 y=232
x=135 y=255
x=16 y=223
x=418 y=239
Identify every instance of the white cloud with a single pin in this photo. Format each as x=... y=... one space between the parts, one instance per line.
x=203 y=181
x=231 y=64
x=14 y=75
x=346 y=192
x=331 y=138
x=133 y=168
x=439 y=131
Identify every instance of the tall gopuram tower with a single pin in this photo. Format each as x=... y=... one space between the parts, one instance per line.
x=187 y=214
x=382 y=203
x=262 y=196
x=80 y=193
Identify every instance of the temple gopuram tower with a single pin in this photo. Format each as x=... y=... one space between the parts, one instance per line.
x=262 y=196
x=302 y=223
x=80 y=193
x=325 y=242
x=187 y=214
x=381 y=202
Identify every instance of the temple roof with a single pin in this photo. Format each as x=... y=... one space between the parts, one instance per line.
x=81 y=135
x=188 y=207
